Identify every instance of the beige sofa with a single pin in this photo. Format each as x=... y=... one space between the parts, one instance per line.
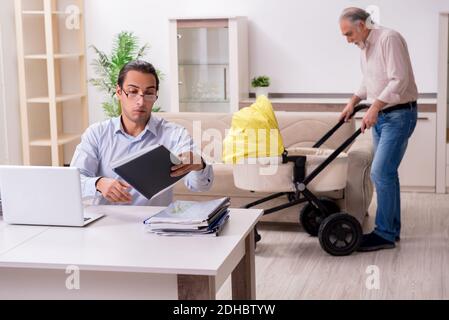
x=297 y=129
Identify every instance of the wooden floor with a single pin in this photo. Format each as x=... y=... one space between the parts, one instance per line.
x=291 y=265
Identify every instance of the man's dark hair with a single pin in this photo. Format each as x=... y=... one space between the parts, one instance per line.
x=137 y=65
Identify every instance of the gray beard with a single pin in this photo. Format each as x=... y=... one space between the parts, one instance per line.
x=361 y=45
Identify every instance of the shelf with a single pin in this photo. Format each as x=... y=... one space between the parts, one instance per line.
x=56 y=56
x=41 y=12
x=62 y=139
x=204 y=101
x=204 y=64
x=33 y=12
x=54 y=112
x=63 y=13
x=59 y=98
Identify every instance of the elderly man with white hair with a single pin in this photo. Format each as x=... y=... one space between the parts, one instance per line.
x=388 y=81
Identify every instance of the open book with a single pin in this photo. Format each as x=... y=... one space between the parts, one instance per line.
x=148 y=171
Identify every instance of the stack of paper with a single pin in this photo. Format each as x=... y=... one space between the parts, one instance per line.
x=187 y=218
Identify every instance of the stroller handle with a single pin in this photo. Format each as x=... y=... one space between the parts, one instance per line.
x=328 y=134
x=340 y=149
x=359 y=107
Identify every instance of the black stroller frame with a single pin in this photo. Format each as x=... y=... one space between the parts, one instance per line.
x=339 y=233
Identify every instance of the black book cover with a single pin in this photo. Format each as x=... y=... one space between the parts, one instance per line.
x=148 y=171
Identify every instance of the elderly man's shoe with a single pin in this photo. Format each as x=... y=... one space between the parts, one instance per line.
x=372 y=242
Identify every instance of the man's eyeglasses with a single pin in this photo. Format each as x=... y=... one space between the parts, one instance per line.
x=149 y=97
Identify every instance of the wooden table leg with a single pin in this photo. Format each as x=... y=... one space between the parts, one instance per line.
x=193 y=287
x=244 y=275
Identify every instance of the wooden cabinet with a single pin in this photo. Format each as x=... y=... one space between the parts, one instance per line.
x=208 y=64
x=3 y=132
x=52 y=79
x=447 y=165
x=418 y=167
x=443 y=105
x=417 y=170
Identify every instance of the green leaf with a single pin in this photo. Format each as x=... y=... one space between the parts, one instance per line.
x=125 y=48
x=260 y=81
x=112 y=108
x=157 y=109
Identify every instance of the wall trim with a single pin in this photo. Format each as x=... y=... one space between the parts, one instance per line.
x=418 y=189
x=327 y=95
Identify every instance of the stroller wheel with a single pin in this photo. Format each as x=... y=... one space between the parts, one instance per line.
x=310 y=217
x=340 y=234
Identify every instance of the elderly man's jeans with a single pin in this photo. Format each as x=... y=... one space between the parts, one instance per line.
x=390 y=138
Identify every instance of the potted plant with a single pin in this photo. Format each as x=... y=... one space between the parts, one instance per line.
x=260 y=85
x=107 y=67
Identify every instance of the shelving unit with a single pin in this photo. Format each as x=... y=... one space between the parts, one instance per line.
x=52 y=79
x=208 y=64
x=442 y=163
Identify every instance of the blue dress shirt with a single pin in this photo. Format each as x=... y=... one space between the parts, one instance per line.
x=105 y=142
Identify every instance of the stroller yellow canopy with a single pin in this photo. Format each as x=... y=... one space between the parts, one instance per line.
x=254 y=133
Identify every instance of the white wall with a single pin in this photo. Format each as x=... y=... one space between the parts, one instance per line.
x=3 y=133
x=10 y=139
x=296 y=42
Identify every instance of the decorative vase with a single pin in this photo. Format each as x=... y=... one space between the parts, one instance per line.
x=261 y=91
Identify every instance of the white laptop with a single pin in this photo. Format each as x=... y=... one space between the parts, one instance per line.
x=43 y=196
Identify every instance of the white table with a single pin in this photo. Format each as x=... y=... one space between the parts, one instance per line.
x=118 y=259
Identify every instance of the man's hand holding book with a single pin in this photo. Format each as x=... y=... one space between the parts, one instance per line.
x=189 y=162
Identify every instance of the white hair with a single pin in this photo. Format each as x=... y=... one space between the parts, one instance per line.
x=355 y=15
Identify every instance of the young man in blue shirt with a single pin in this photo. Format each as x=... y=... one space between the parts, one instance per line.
x=134 y=129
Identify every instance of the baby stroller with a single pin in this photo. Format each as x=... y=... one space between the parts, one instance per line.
x=313 y=169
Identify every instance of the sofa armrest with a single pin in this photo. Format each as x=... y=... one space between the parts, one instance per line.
x=359 y=189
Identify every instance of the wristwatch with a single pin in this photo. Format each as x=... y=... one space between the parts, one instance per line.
x=204 y=163
x=96 y=182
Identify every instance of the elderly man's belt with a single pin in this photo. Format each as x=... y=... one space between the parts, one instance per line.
x=408 y=105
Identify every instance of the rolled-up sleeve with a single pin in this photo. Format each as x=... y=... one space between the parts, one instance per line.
x=200 y=180
x=362 y=93
x=395 y=52
x=86 y=160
